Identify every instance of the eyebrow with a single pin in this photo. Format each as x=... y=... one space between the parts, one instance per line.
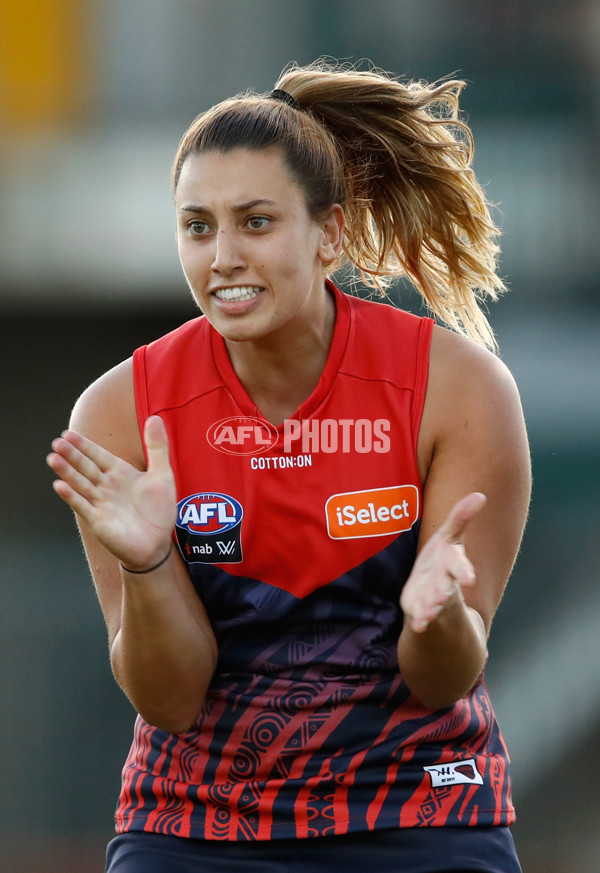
x=240 y=207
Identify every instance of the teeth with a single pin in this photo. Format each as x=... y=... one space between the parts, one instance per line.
x=245 y=292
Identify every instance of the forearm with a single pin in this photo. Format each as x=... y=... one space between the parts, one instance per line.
x=441 y=664
x=163 y=655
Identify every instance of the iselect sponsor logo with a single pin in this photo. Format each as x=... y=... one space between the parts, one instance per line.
x=374 y=513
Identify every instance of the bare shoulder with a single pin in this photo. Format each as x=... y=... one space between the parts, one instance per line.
x=106 y=414
x=469 y=391
x=460 y=365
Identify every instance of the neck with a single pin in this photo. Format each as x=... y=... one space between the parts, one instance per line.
x=279 y=373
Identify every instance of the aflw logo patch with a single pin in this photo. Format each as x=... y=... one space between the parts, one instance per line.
x=209 y=528
x=458 y=773
x=374 y=513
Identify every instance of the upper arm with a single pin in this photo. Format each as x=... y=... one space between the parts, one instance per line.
x=473 y=438
x=106 y=414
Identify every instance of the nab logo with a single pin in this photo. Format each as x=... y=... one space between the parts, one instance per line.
x=242 y=435
x=375 y=513
x=209 y=528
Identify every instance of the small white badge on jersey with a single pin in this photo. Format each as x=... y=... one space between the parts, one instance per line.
x=457 y=773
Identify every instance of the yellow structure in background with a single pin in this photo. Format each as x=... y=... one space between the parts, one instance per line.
x=44 y=62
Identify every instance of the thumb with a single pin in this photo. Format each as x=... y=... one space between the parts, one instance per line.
x=157 y=445
x=460 y=515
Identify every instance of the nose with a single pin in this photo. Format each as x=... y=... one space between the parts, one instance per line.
x=228 y=253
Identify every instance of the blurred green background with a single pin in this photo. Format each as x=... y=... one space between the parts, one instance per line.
x=93 y=99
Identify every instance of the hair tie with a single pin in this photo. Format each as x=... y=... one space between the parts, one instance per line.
x=279 y=94
x=150 y=569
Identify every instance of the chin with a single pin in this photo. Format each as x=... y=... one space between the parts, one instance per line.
x=238 y=333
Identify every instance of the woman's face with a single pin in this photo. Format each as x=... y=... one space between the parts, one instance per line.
x=252 y=254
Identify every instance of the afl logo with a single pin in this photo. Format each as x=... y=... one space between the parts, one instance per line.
x=209 y=513
x=242 y=435
x=209 y=528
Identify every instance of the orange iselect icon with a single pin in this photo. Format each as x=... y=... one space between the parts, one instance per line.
x=374 y=513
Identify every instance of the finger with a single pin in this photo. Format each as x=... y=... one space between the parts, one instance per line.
x=102 y=458
x=463 y=572
x=461 y=515
x=78 y=482
x=427 y=612
x=419 y=625
x=75 y=460
x=157 y=445
x=421 y=620
x=442 y=595
x=77 y=503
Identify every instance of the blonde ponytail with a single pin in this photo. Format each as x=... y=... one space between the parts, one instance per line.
x=413 y=205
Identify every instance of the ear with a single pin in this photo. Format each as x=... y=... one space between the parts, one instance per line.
x=332 y=235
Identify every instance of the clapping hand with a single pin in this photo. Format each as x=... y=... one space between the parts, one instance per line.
x=131 y=512
x=442 y=568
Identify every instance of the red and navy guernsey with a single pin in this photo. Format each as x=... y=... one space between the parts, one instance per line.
x=298 y=540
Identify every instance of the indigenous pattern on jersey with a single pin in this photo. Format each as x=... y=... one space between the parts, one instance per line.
x=298 y=540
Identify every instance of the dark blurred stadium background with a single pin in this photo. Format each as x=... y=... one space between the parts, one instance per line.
x=93 y=99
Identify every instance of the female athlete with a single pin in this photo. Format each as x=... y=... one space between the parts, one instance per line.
x=301 y=508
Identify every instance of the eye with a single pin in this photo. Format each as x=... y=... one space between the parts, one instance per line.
x=198 y=228
x=257 y=222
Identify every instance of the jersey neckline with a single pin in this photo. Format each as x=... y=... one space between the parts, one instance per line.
x=339 y=341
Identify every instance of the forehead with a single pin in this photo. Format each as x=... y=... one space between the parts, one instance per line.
x=238 y=175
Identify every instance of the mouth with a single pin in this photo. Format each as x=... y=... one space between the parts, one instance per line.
x=239 y=293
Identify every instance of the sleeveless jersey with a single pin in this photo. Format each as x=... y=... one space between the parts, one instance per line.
x=298 y=540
